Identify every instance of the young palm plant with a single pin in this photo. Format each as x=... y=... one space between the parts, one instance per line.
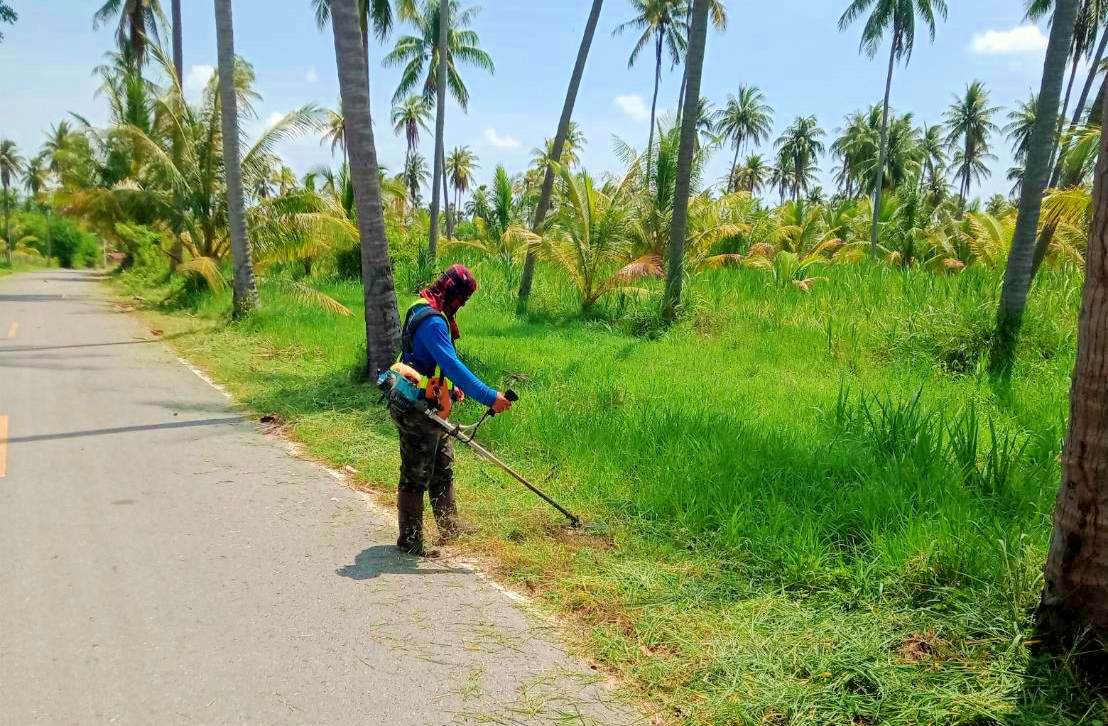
x=591 y=237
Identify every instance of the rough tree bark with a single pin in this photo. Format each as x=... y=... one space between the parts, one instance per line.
x=1074 y=604
x=382 y=320
x=1017 y=276
x=678 y=226
x=245 y=287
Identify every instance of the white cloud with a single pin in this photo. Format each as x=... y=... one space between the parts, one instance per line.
x=500 y=141
x=311 y=76
x=634 y=107
x=1021 y=39
x=197 y=79
x=273 y=119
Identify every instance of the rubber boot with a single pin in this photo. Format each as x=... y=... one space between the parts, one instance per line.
x=409 y=509
x=445 y=508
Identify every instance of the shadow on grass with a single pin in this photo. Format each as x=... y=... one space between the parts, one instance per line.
x=1055 y=693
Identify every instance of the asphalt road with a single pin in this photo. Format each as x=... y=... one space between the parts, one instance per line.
x=162 y=561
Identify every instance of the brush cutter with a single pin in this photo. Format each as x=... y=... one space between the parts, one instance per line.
x=466 y=434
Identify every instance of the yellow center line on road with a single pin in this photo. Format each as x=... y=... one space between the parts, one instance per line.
x=3 y=446
x=12 y=329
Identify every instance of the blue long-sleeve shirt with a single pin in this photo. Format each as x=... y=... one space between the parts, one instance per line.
x=432 y=346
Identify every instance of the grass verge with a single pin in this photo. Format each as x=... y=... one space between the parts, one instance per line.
x=821 y=512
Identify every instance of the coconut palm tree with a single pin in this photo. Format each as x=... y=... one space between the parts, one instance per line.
x=381 y=316
x=11 y=165
x=380 y=15
x=136 y=24
x=753 y=175
x=897 y=18
x=334 y=131
x=857 y=149
x=57 y=144
x=746 y=118
x=694 y=60
x=416 y=173
x=1040 y=149
x=460 y=165
x=418 y=55
x=244 y=285
x=35 y=175
x=800 y=147
x=1021 y=122
x=1073 y=610
x=565 y=143
x=969 y=122
x=932 y=153
x=659 y=22
x=7 y=15
x=409 y=117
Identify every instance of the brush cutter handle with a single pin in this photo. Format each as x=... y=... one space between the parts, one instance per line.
x=510 y=395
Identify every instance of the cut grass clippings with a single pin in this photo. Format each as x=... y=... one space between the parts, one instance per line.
x=820 y=511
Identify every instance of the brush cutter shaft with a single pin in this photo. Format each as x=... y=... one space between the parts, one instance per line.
x=573 y=520
x=465 y=435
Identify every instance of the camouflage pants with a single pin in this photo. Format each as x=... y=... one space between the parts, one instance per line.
x=426 y=453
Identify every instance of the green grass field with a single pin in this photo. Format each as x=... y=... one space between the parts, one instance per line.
x=821 y=510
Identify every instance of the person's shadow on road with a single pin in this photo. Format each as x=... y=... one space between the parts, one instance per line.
x=387 y=560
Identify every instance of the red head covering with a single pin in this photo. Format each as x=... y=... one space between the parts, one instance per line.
x=450 y=292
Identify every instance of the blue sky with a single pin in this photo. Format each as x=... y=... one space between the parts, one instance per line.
x=790 y=48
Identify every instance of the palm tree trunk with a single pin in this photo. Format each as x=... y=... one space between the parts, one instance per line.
x=654 y=103
x=382 y=321
x=178 y=44
x=879 y=180
x=732 y=183
x=7 y=225
x=1017 y=276
x=1082 y=100
x=694 y=63
x=440 y=123
x=138 y=36
x=685 y=75
x=446 y=198
x=245 y=287
x=1055 y=154
x=1074 y=604
x=177 y=252
x=543 y=207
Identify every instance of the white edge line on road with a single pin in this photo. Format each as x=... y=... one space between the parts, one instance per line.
x=204 y=377
x=297 y=451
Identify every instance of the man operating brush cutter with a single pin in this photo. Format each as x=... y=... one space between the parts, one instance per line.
x=429 y=361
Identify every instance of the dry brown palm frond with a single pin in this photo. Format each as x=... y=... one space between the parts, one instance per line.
x=715 y=262
x=807 y=283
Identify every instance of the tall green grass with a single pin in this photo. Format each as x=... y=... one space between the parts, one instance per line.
x=823 y=512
